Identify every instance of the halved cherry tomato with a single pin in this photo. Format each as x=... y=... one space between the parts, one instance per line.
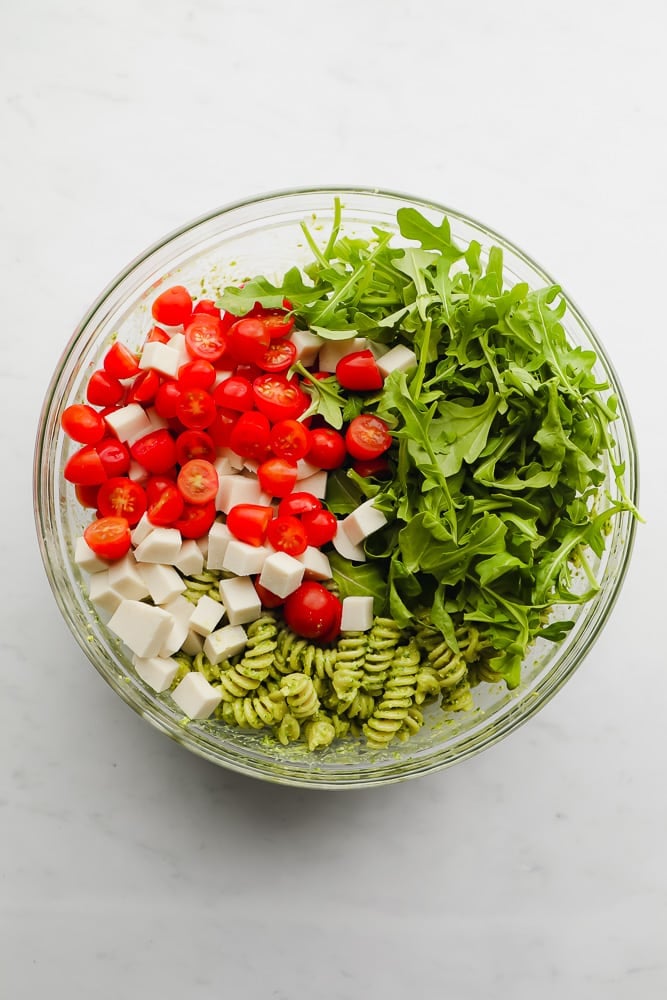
x=166 y=507
x=327 y=448
x=173 y=306
x=85 y=468
x=320 y=527
x=196 y=519
x=120 y=362
x=277 y=322
x=166 y=400
x=156 y=451
x=82 y=423
x=287 y=534
x=221 y=428
x=194 y=444
x=196 y=409
x=109 y=537
x=277 y=476
x=367 y=437
x=279 y=398
x=278 y=356
x=249 y=522
x=248 y=339
x=298 y=504
x=103 y=389
x=156 y=485
x=373 y=468
x=204 y=338
x=121 y=497
x=144 y=388
x=157 y=334
x=313 y=612
x=198 y=481
x=289 y=439
x=249 y=436
x=235 y=393
x=359 y=372
x=267 y=597
x=87 y=495
x=207 y=306
x=115 y=456
x=197 y=374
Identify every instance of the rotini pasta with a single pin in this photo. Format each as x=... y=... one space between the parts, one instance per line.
x=207 y=582
x=264 y=708
x=383 y=639
x=301 y=696
x=238 y=680
x=349 y=670
x=391 y=712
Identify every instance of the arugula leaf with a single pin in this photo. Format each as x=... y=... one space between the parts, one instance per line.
x=360 y=580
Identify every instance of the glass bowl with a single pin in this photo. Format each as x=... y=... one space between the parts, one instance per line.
x=263 y=235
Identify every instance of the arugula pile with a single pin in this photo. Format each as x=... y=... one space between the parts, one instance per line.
x=502 y=433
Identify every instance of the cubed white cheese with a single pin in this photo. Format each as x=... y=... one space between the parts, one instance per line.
x=363 y=521
x=137 y=473
x=86 y=559
x=219 y=538
x=332 y=351
x=177 y=635
x=129 y=423
x=225 y=642
x=250 y=465
x=345 y=548
x=357 y=614
x=307 y=346
x=162 y=358
x=235 y=460
x=157 y=671
x=162 y=545
x=398 y=359
x=206 y=615
x=179 y=607
x=158 y=423
x=193 y=643
x=304 y=469
x=142 y=627
x=316 y=565
x=239 y=489
x=196 y=698
x=244 y=559
x=102 y=594
x=163 y=582
x=281 y=574
x=177 y=343
x=315 y=484
x=224 y=467
x=190 y=559
x=126 y=580
x=202 y=545
x=141 y=530
x=240 y=600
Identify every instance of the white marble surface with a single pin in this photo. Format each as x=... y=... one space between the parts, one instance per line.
x=131 y=868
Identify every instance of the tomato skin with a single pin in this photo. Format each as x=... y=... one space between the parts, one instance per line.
x=172 y=307
x=235 y=393
x=197 y=374
x=248 y=339
x=289 y=439
x=277 y=476
x=277 y=322
x=279 y=398
x=120 y=362
x=267 y=597
x=194 y=444
x=109 y=537
x=156 y=485
x=287 y=534
x=298 y=504
x=320 y=527
x=121 y=497
x=166 y=507
x=221 y=428
x=114 y=455
x=207 y=306
x=87 y=495
x=278 y=356
x=144 y=388
x=313 y=612
x=196 y=409
x=204 y=338
x=158 y=334
x=82 y=423
x=196 y=519
x=359 y=372
x=249 y=522
x=103 y=389
x=166 y=400
x=198 y=481
x=367 y=437
x=85 y=468
x=327 y=448
x=373 y=468
x=249 y=436
x=156 y=451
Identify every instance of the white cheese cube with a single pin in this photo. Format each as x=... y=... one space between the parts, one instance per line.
x=399 y=358
x=235 y=460
x=141 y=530
x=137 y=473
x=332 y=351
x=304 y=470
x=162 y=545
x=240 y=600
x=357 y=614
x=239 y=489
x=102 y=594
x=179 y=607
x=315 y=484
x=163 y=582
x=86 y=559
x=219 y=538
x=307 y=346
x=158 y=423
x=157 y=671
x=244 y=559
x=281 y=574
x=363 y=521
x=316 y=565
x=206 y=615
x=224 y=467
x=177 y=635
x=202 y=545
x=196 y=698
x=142 y=627
x=190 y=559
x=345 y=547
x=192 y=644
x=177 y=343
x=250 y=465
x=161 y=357
x=129 y=423
x=225 y=642
x=171 y=331
x=126 y=580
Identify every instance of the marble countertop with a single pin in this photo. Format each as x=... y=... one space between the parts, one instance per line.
x=128 y=866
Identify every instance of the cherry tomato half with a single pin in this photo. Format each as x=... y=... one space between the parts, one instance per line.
x=103 y=389
x=196 y=409
x=85 y=468
x=359 y=372
x=120 y=362
x=82 y=423
x=207 y=306
x=327 y=448
x=297 y=504
x=248 y=339
x=221 y=428
x=144 y=388
x=373 y=468
x=249 y=522
x=367 y=437
x=166 y=400
x=197 y=374
x=279 y=398
x=87 y=495
x=278 y=323
x=267 y=597
x=312 y=611
x=194 y=444
x=235 y=393
x=115 y=456
x=109 y=537
x=277 y=476
x=157 y=334
x=278 y=356
x=198 y=481
x=290 y=439
x=156 y=451
x=320 y=527
x=249 y=437
x=121 y=497
x=287 y=534
x=173 y=306
x=196 y=519
x=166 y=507
x=204 y=338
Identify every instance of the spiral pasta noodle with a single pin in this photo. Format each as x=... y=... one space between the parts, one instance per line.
x=253 y=668
x=458 y=698
x=199 y=584
x=257 y=711
x=301 y=696
x=383 y=639
x=349 y=670
x=392 y=710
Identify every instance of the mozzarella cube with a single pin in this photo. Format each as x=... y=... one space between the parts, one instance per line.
x=141 y=530
x=316 y=565
x=126 y=580
x=240 y=600
x=176 y=636
x=177 y=343
x=235 y=460
x=332 y=351
x=179 y=607
x=142 y=627
x=239 y=489
x=162 y=357
x=86 y=559
x=190 y=559
x=398 y=359
x=281 y=574
x=162 y=545
x=206 y=615
x=137 y=473
x=315 y=484
x=129 y=423
x=196 y=697
x=304 y=469
x=225 y=642
x=202 y=545
x=158 y=423
x=163 y=582
x=157 y=671
x=250 y=465
x=363 y=521
x=193 y=644
x=357 y=614
x=244 y=559
x=224 y=467
x=346 y=548
x=307 y=346
x=219 y=538
x=102 y=594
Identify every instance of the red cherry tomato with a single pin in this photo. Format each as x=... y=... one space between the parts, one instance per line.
x=120 y=362
x=277 y=322
x=109 y=537
x=312 y=611
x=114 y=455
x=166 y=400
x=157 y=334
x=277 y=476
x=298 y=504
x=267 y=597
x=156 y=485
x=248 y=339
x=249 y=522
x=204 y=338
x=278 y=356
x=196 y=409
x=196 y=519
x=249 y=436
x=221 y=428
x=373 y=468
x=144 y=388
x=85 y=468
x=121 y=497
x=287 y=534
x=156 y=451
x=359 y=372
x=197 y=374
x=198 y=481
x=367 y=437
x=289 y=439
x=87 y=495
x=82 y=423
x=194 y=444
x=207 y=306
x=103 y=389
x=173 y=306
x=279 y=398
x=327 y=448
x=320 y=527
x=235 y=393
x=166 y=507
